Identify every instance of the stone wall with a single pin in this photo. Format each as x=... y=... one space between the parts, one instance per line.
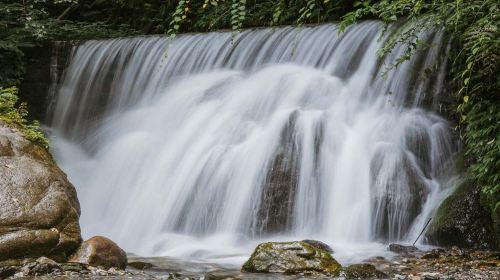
x=44 y=69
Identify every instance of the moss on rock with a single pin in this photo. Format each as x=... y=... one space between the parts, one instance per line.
x=462 y=221
x=292 y=258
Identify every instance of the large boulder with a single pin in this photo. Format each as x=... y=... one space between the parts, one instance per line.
x=292 y=258
x=462 y=221
x=39 y=210
x=100 y=251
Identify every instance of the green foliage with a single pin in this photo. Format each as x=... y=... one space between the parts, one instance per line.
x=14 y=114
x=306 y=12
x=32 y=22
x=481 y=135
x=238 y=13
x=178 y=17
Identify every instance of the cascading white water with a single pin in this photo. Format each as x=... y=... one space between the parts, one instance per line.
x=202 y=146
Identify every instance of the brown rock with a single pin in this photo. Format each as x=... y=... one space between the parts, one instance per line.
x=100 y=251
x=39 y=210
x=402 y=249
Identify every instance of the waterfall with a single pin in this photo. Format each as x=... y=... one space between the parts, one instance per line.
x=205 y=144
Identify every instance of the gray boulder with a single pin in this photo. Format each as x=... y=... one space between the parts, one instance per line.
x=39 y=210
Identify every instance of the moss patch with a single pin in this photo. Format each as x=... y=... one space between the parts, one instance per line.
x=291 y=258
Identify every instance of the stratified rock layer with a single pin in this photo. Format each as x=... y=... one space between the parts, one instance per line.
x=39 y=210
x=292 y=258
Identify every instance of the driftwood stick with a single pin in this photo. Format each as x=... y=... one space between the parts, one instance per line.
x=422 y=231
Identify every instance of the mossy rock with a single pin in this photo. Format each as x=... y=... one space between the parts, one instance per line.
x=362 y=271
x=462 y=221
x=292 y=258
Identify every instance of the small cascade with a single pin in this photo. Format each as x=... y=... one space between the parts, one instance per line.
x=206 y=144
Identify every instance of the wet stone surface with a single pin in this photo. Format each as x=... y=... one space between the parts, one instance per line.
x=451 y=263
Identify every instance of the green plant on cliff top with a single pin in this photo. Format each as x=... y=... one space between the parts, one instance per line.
x=179 y=16
x=16 y=115
x=238 y=13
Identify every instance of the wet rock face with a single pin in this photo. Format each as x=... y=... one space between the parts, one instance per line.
x=100 y=251
x=398 y=196
x=292 y=258
x=278 y=195
x=39 y=210
x=462 y=221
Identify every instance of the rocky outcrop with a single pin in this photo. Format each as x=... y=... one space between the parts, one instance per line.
x=39 y=210
x=274 y=214
x=461 y=220
x=100 y=251
x=292 y=258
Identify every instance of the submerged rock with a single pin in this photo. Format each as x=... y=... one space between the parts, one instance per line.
x=292 y=258
x=362 y=271
x=100 y=251
x=39 y=210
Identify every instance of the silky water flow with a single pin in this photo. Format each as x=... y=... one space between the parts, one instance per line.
x=207 y=144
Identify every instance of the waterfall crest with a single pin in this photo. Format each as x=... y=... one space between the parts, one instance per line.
x=275 y=133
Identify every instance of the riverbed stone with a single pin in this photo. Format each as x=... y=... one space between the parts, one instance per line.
x=140 y=265
x=41 y=266
x=402 y=249
x=7 y=271
x=363 y=271
x=100 y=251
x=292 y=258
x=39 y=210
